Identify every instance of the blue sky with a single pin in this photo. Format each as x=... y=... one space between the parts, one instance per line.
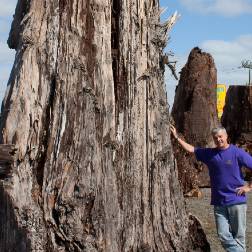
x=220 y=27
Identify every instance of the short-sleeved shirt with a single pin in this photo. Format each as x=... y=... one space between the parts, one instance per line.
x=225 y=173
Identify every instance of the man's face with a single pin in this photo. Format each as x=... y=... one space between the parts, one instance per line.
x=220 y=139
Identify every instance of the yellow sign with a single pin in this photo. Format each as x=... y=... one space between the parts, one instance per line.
x=221 y=96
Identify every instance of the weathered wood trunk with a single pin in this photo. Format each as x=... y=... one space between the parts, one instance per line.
x=87 y=109
x=195 y=114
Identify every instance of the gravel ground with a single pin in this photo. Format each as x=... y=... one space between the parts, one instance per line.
x=202 y=209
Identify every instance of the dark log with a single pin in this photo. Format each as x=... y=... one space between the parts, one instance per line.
x=194 y=114
x=237 y=114
x=7 y=158
x=237 y=118
x=86 y=107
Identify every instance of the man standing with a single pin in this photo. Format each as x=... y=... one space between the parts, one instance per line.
x=228 y=191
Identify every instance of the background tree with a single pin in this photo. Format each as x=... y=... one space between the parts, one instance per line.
x=195 y=115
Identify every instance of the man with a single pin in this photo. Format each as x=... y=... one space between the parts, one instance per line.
x=228 y=191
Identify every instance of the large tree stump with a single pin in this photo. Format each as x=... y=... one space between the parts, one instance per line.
x=86 y=107
x=237 y=117
x=194 y=113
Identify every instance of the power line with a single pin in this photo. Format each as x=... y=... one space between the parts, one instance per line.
x=247 y=64
x=231 y=70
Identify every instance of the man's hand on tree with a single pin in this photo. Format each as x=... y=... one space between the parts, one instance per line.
x=243 y=189
x=173 y=131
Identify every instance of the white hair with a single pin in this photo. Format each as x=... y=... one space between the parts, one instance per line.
x=217 y=130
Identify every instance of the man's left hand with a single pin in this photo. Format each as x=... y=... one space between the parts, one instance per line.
x=243 y=190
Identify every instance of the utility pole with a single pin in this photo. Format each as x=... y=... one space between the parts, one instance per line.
x=247 y=64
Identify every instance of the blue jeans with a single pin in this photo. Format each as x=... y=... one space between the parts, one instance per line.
x=231 y=226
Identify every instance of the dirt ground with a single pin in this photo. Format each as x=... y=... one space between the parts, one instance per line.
x=202 y=209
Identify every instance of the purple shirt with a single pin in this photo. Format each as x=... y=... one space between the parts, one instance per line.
x=225 y=172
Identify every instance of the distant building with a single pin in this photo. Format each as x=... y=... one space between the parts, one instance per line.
x=221 y=95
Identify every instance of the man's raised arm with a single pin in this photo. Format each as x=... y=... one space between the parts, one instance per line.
x=186 y=146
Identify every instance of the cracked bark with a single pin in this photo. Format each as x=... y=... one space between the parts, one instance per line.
x=86 y=107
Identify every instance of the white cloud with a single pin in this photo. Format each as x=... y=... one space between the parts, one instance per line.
x=7 y=8
x=228 y=56
x=6 y=61
x=221 y=7
x=6 y=54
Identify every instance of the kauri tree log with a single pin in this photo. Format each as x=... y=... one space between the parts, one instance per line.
x=237 y=117
x=194 y=114
x=86 y=107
